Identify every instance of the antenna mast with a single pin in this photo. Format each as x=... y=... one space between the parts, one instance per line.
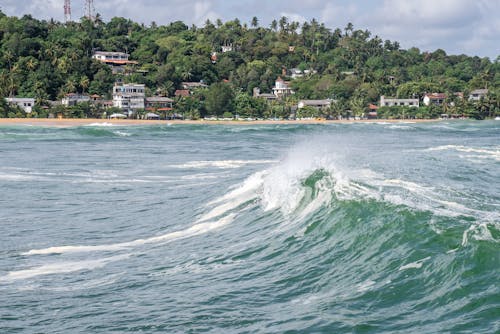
x=67 y=11
x=89 y=10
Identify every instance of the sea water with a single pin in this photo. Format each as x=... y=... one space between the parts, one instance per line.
x=335 y=228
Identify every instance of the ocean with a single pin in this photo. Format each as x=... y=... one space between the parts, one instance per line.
x=334 y=228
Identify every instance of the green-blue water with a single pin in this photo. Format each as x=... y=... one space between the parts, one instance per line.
x=356 y=228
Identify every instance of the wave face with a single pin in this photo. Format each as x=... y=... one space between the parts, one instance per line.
x=356 y=228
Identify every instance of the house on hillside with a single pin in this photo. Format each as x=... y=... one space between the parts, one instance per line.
x=116 y=60
x=391 y=102
x=437 y=99
x=193 y=85
x=72 y=99
x=477 y=94
x=265 y=96
x=281 y=89
x=129 y=97
x=25 y=103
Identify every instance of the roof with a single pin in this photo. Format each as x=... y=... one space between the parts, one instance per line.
x=193 y=84
x=181 y=92
x=372 y=107
x=436 y=96
x=479 y=92
x=316 y=102
x=158 y=99
x=110 y=53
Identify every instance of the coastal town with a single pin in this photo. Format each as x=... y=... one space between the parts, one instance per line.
x=224 y=71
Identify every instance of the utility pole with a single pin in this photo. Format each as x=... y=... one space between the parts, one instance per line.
x=67 y=11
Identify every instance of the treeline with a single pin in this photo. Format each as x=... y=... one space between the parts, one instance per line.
x=47 y=59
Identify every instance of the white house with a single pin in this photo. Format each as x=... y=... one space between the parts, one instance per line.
x=390 y=102
x=435 y=99
x=129 y=97
x=26 y=104
x=72 y=99
x=111 y=57
x=477 y=94
x=116 y=60
x=281 y=89
x=318 y=104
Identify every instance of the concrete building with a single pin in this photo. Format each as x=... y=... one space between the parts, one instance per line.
x=72 y=99
x=391 y=102
x=477 y=94
x=265 y=96
x=116 y=60
x=159 y=103
x=129 y=97
x=281 y=89
x=437 y=99
x=317 y=104
x=24 y=103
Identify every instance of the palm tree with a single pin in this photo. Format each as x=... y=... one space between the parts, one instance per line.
x=255 y=22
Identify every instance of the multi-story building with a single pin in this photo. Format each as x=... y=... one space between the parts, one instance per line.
x=129 y=97
x=72 y=99
x=281 y=89
x=24 y=103
x=437 y=99
x=116 y=60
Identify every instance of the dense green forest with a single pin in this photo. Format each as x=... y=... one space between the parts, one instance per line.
x=47 y=59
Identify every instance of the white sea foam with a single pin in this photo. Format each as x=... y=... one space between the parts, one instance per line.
x=104 y=124
x=194 y=230
x=475 y=152
x=366 y=285
x=479 y=232
x=223 y=164
x=61 y=268
x=414 y=265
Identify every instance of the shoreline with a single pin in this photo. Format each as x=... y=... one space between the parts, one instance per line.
x=73 y=122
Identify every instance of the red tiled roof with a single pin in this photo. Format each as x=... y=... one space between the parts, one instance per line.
x=182 y=92
x=372 y=107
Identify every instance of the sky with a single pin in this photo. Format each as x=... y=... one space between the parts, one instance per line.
x=469 y=27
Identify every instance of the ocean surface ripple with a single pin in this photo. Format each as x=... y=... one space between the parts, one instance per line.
x=335 y=228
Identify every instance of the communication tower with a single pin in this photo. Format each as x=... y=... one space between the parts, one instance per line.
x=67 y=11
x=89 y=10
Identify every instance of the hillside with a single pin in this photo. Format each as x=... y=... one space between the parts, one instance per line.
x=47 y=59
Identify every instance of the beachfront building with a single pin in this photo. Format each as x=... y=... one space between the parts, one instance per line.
x=159 y=103
x=265 y=96
x=281 y=89
x=116 y=60
x=72 y=99
x=478 y=94
x=437 y=99
x=24 y=103
x=316 y=104
x=129 y=97
x=391 y=102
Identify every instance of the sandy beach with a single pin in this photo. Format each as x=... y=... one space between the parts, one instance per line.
x=72 y=122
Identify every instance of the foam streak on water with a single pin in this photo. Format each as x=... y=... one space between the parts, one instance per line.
x=337 y=228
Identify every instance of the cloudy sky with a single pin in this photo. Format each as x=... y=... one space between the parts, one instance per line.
x=457 y=26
